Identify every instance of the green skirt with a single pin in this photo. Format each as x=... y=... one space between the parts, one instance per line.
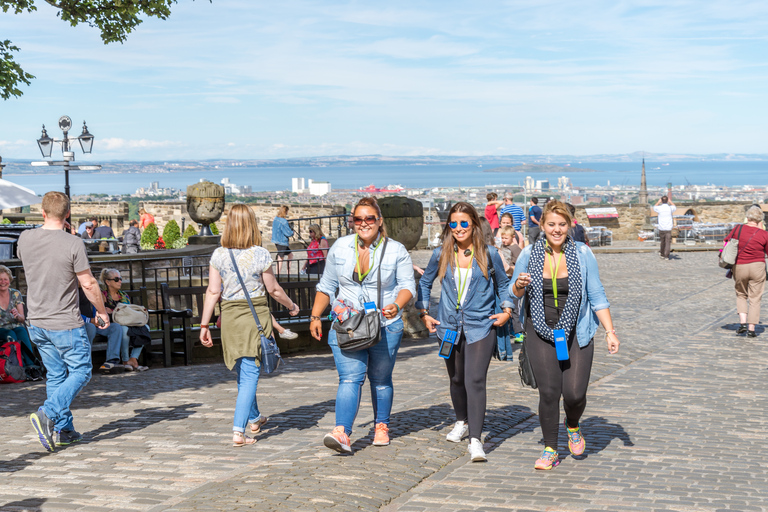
x=240 y=336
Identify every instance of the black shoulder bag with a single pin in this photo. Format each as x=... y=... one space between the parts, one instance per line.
x=270 y=353
x=524 y=367
x=362 y=330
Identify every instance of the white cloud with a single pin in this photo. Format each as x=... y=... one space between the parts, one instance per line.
x=117 y=144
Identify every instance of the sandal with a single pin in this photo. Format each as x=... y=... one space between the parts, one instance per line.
x=256 y=425
x=239 y=439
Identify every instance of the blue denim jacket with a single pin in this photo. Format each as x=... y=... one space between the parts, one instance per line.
x=396 y=274
x=592 y=292
x=479 y=304
x=281 y=231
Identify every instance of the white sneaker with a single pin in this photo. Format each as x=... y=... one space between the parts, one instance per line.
x=460 y=429
x=476 y=453
x=288 y=335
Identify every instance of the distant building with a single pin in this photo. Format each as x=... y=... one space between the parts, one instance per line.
x=530 y=184
x=542 y=185
x=563 y=183
x=154 y=190
x=297 y=185
x=231 y=188
x=319 y=188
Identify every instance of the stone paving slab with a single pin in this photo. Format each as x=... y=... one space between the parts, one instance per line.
x=160 y=440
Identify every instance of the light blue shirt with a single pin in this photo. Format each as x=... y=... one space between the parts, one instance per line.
x=281 y=231
x=396 y=274
x=592 y=292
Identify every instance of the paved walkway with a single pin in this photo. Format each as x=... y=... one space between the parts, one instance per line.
x=675 y=421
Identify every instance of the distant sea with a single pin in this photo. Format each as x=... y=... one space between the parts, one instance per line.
x=409 y=176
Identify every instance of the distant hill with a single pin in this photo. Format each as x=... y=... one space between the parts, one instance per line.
x=539 y=168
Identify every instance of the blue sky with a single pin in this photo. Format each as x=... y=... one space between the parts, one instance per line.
x=255 y=79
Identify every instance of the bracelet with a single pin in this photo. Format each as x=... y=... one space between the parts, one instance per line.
x=612 y=331
x=205 y=326
x=423 y=313
x=312 y=318
x=398 y=307
x=295 y=306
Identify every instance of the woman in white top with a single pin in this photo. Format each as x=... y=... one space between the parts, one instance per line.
x=240 y=337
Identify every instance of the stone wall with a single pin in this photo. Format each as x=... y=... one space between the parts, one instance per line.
x=115 y=212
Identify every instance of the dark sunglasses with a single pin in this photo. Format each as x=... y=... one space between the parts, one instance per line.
x=454 y=224
x=370 y=219
x=115 y=279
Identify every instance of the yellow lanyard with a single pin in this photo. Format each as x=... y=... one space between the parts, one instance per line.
x=463 y=287
x=554 y=268
x=357 y=258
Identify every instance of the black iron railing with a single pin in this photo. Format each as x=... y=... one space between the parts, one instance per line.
x=333 y=226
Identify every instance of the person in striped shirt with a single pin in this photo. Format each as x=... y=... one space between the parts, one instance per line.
x=518 y=216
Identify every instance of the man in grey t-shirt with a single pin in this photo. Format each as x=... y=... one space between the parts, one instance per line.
x=54 y=263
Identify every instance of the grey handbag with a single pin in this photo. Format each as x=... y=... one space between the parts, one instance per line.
x=362 y=330
x=730 y=251
x=270 y=353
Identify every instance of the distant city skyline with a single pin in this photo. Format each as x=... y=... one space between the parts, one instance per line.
x=256 y=80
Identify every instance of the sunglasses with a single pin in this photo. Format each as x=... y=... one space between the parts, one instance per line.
x=454 y=224
x=115 y=279
x=370 y=219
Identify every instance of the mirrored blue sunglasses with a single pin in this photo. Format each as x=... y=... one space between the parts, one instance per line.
x=454 y=224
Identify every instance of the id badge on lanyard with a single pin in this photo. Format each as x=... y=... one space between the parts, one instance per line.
x=446 y=346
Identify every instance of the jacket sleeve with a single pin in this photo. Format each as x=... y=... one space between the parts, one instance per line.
x=329 y=281
x=521 y=265
x=404 y=271
x=426 y=281
x=595 y=291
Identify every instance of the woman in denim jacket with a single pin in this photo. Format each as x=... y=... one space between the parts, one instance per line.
x=558 y=281
x=351 y=273
x=472 y=275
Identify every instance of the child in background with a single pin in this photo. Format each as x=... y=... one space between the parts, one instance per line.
x=509 y=250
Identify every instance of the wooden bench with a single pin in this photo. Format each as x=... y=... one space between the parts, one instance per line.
x=180 y=318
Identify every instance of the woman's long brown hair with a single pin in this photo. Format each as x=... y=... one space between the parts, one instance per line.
x=478 y=243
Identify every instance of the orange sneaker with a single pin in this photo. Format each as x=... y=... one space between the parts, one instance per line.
x=338 y=440
x=381 y=438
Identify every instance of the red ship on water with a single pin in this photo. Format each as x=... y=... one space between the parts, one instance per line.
x=371 y=189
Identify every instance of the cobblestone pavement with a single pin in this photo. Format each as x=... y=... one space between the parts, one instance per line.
x=675 y=421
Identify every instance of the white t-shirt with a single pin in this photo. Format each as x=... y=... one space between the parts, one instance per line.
x=466 y=277
x=251 y=262
x=665 y=216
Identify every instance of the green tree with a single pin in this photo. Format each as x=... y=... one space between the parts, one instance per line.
x=190 y=231
x=115 y=19
x=149 y=237
x=214 y=228
x=171 y=233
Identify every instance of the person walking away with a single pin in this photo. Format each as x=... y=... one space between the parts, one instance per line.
x=132 y=238
x=492 y=211
x=352 y=267
x=534 y=219
x=54 y=262
x=665 y=208
x=749 y=270
x=281 y=232
x=145 y=219
x=518 y=216
x=562 y=300
x=466 y=311
x=240 y=337
x=577 y=231
x=316 y=251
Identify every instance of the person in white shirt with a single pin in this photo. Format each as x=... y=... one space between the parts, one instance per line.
x=665 y=207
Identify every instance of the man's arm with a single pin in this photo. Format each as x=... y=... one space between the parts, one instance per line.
x=658 y=202
x=91 y=288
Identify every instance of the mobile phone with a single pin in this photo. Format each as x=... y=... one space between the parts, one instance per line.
x=100 y=322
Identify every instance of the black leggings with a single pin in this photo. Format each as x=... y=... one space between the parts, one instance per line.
x=468 y=369
x=555 y=378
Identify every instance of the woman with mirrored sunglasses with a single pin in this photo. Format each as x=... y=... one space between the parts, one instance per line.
x=472 y=277
x=352 y=268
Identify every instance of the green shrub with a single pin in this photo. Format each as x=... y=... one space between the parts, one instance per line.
x=171 y=234
x=5 y=221
x=149 y=237
x=190 y=231
x=214 y=229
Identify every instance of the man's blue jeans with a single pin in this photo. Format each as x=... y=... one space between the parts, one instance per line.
x=67 y=357
x=377 y=362
x=114 y=334
x=246 y=408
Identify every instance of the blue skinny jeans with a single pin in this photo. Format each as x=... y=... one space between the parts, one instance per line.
x=377 y=362
x=246 y=407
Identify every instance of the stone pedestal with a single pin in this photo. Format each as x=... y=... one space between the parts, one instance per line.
x=403 y=218
x=204 y=240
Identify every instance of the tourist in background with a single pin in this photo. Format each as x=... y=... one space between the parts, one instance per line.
x=145 y=219
x=352 y=268
x=113 y=296
x=281 y=233
x=534 y=219
x=577 y=232
x=506 y=220
x=12 y=317
x=518 y=216
x=132 y=238
x=664 y=207
x=492 y=211
x=88 y=231
x=468 y=299
x=559 y=285
x=240 y=337
x=81 y=227
x=749 y=270
x=316 y=251
x=104 y=231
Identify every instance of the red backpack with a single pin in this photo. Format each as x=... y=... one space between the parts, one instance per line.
x=11 y=367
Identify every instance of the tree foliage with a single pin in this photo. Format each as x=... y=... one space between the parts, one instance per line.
x=171 y=233
x=190 y=231
x=114 y=19
x=149 y=236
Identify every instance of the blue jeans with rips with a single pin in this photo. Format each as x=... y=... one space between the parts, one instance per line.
x=246 y=407
x=377 y=362
x=67 y=358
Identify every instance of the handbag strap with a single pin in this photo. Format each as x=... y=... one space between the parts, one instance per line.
x=378 y=274
x=245 y=291
x=738 y=247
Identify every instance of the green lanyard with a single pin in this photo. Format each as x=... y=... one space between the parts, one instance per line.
x=463 y=286
x=357 y=259
x=554 y=268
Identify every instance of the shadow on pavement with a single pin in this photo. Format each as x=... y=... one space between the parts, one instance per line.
x=142 y=419
x=27 y=505
x=300 y=418
x=732 y=327
x=599 y=433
